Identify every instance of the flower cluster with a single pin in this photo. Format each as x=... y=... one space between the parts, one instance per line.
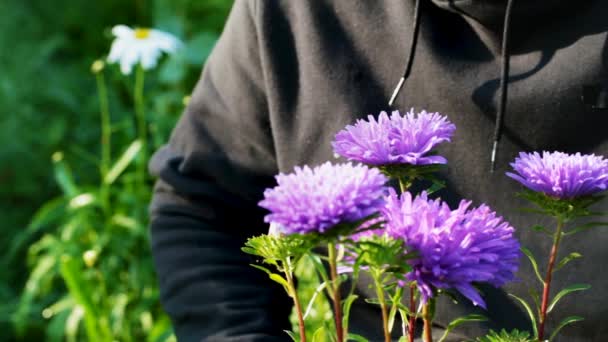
x=561 y=175
x=315 y=200
x=397 y=139
x=455 y=248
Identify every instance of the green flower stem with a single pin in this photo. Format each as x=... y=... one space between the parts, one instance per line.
x=412 y=317
x=404 y=184
x=296 y=300
x=142 y=132
x=547 y=284
x=333 y=269
x=106 y=136
x=427 y=334
x=376 y=274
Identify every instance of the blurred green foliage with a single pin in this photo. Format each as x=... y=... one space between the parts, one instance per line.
x=78 y=267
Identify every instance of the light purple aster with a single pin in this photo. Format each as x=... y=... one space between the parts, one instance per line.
x=396 y=139
x=561 y=175
x=315 y=200
x=456 y=248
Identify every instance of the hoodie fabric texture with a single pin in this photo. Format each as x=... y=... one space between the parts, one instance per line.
x=285 y=76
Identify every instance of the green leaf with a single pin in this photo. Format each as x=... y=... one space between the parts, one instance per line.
x=73 y=322
x=542 y=229
x=563 y=323
x=355 y=337
x=123 y=162
x=530 y=256
x=279 y=279
x=530 y=313
x=565 y=291
x=584 y=227
x=293 y=336
x=348 y=302
x=319 y=335
x=462 y=320
x=567 y=259
x=504 y=336
x=64 y=176
x=275 y=277
x=50 y=212
x=318 y=290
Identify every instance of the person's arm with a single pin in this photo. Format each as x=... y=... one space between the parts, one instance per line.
x=211 y=176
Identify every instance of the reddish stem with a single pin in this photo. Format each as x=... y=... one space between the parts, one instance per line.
x=547 y=283
x=412 y=321
x=298 y=308
x=428 y=322
x=336 y=292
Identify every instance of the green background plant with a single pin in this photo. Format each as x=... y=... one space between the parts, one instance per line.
x=76 y=267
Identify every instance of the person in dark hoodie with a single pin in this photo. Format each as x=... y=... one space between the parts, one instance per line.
x=285 y=76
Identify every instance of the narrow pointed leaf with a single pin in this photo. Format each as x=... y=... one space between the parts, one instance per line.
x=529 y=311
x=586 y=226
x=530 y=256
x=318 y=290
x=567 y=290
x=567 y=259
x=123 y=162
x=348 y=302
x=563 y=323
x=461 y=320
x=356 y=338
x=293 y=336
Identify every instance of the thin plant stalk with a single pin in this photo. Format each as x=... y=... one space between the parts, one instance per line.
x=427 y=335
x=296 y=301
x=337 y=302
x=106 y=136
x=142 y=132
x=411 y=327
x=404 y=185
x=380 y=292
x=547 y=283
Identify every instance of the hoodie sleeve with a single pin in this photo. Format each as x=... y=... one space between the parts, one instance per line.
x=211 y=175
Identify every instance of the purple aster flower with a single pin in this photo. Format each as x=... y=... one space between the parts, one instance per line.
x=315 y=200
x=561 y=175
x=399 y=139
x=455 y=248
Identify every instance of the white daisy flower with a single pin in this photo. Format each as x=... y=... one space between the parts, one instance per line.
x=140 y=45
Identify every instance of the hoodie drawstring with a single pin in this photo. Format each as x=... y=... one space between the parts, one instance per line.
x=504 y=75
x=410 y=57
x=504 y=80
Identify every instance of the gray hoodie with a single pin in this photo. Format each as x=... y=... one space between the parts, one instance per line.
x=285 y=76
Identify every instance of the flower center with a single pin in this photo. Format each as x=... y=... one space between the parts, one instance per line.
x=142 y=33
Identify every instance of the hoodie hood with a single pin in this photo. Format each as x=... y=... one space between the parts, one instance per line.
x=491 y=13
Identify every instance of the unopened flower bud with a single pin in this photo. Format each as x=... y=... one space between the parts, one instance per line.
x=90 y=257
x=97 y=66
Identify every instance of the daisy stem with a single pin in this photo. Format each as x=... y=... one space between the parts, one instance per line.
x=381 y=299
x=296 y=301
x=106 y=136
x=337 y=302
x=547 y=283
x=142 y=133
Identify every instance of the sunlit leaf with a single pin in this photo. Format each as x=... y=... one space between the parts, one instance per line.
x=123 y=162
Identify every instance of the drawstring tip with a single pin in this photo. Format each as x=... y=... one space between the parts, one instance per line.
x=493 y=156
x=396 y=92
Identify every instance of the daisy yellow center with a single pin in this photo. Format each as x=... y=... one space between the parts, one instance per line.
x=142 y=33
